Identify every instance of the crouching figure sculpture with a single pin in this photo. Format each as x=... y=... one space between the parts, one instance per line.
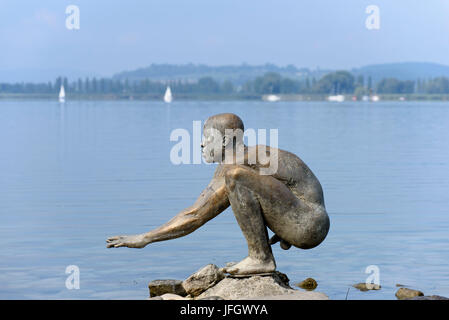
x=288 y=200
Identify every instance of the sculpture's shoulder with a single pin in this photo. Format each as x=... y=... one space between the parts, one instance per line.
x=300 y=178
x=220 y=171
x=282 y=154
x=288 y=156
x=297 y=175
x=286 y=159
x=289 y=166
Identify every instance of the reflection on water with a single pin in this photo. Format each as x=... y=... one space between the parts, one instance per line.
x=75 y=174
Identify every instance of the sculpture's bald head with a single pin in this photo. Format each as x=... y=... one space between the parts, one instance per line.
x=224 y=121
x=221 y=131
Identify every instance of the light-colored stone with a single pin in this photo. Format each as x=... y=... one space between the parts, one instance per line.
x=202 y=280
x=406 y=293
x=160 y=287
x=434 y=297
x=171 y=296
x=296 y=295
x=212 y=298
x=258 y=287
x=155 y=298
x=367 y=286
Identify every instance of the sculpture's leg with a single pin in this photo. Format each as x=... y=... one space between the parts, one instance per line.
x=247 y=210
x=259 y=201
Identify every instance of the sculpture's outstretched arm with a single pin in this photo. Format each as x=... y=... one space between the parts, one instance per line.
x=212 y=201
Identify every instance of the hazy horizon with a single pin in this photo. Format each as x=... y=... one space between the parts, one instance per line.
x=115 y=37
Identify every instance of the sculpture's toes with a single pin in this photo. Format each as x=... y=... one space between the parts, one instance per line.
x=251 y=266
x=231 y=270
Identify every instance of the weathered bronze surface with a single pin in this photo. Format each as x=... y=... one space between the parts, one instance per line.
x=288 y=201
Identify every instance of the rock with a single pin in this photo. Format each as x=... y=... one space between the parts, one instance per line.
x=211 y=298
x=258 y=287
x=160 y=287
x=283 y=278
x=428 y=298
x=308 y=284
x=296 y=295
x=202 y=280
x=155 y=298
x=210 y=283
x=405 y=293
x=367 y=286
x=171 y=296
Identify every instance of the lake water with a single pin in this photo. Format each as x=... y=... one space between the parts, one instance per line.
x=73 y=175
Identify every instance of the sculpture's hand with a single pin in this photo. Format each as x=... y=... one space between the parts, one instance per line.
x=134 y=241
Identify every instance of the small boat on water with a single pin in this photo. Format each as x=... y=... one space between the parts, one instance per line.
x=337 y=98
x=62 y=94
x=168 y=96
x=271 y=98
x=375 y=98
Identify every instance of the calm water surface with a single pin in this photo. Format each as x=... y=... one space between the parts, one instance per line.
x=70 y=176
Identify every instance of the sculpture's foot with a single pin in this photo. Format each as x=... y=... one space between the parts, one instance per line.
x=250 y=266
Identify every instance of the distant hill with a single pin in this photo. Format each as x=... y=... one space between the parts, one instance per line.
x=238 y=74
x=403 y=71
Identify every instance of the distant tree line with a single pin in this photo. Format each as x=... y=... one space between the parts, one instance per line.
x=339 y=82
x=343 y=82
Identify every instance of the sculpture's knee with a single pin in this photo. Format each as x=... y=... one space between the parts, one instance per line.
x=316 y=233
x=232 y=176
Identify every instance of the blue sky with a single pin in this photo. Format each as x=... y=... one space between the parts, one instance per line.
x=122 y=35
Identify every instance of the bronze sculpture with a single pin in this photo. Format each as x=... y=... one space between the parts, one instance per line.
x=288 y=201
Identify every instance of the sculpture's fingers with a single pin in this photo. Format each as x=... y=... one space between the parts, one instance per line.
x=110 y=245
x=113 y=238
x=274 y=239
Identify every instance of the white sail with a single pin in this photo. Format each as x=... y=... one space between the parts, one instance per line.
x=337 y=98
x=62 y=94
x=375 y=98
x=168 y=96
x=271 y=98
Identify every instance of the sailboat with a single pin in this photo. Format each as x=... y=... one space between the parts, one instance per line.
x=168 y=96
x=62 y=94
x=271 y=98
x=375 y=98
x=336 y=98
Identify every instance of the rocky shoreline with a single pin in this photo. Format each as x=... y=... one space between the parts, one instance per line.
x=211 y=283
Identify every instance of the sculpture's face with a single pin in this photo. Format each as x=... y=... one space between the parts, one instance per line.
x=212 y=145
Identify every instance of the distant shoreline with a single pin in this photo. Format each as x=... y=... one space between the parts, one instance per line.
x=219 y=97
